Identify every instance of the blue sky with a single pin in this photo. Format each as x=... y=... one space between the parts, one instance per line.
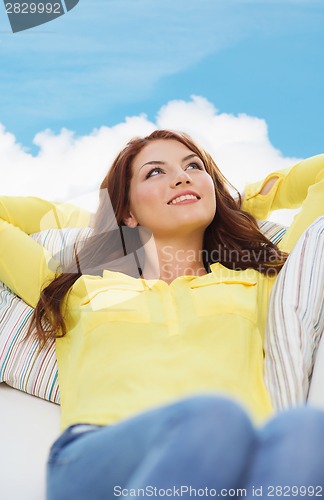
x=106 y=60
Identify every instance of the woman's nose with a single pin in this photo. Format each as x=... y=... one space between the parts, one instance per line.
x=182 y=177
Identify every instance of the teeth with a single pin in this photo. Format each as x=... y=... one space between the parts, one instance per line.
x=184 y=197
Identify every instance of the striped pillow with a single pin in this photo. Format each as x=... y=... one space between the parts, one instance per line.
x=273 y=231
x=22 y=365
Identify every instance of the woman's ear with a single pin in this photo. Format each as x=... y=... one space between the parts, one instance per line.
x=130 y=220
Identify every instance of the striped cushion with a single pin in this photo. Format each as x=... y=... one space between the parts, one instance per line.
x=273 y=231
x=22 y=364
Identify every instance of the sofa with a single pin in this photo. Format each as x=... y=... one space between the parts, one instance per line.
x=28 y=426
x=29 y=392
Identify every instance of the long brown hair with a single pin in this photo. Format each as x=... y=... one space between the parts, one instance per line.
x=233 y=238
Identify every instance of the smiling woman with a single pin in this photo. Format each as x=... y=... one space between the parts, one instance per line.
x=159 y=325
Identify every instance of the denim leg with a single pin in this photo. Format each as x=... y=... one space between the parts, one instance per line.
x=202 y=441
x=290 y=453
x=206 y=445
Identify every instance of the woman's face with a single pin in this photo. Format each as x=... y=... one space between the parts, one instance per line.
x=170 y=192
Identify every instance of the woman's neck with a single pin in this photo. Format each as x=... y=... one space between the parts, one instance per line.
x=167 y=260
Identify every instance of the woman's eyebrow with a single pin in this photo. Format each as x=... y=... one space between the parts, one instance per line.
x=153 y=162
x=189 y=156
x=157 y=162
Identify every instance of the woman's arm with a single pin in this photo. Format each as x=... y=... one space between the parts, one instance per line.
x=33 y=214
x=23 y=263
x=299 y=186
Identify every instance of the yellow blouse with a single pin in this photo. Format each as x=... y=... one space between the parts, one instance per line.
x=133 y=344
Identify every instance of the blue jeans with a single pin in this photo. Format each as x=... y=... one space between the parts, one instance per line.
x=200 y=446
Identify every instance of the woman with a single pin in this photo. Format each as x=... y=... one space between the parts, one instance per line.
x=159 y=325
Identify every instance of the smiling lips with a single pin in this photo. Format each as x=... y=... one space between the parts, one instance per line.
x=184 y=199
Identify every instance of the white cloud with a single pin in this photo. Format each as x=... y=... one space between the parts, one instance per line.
x=69 y=167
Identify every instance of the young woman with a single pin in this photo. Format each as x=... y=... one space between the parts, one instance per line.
x=159 y=324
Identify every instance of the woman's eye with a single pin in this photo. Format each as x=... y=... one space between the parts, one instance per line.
x=153 y=172
x=195 y=165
